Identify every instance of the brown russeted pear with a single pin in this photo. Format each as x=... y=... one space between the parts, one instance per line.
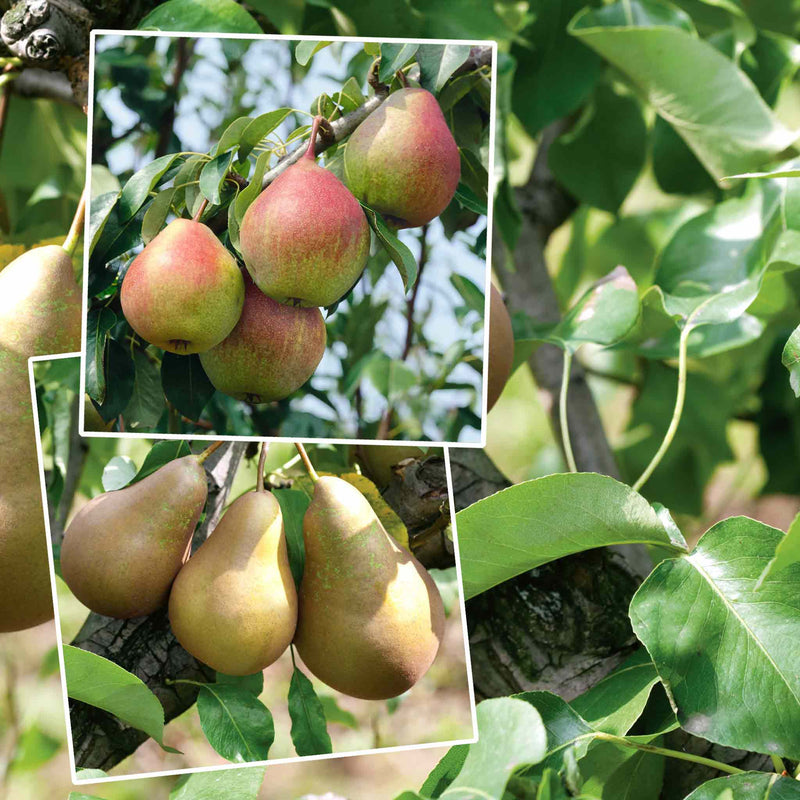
x=123 y=549
x=273 y=350
x=371 y=618
x=40 y=313
x=402 y=159
x=501 y=348
x=184 y=291
x=305 y=239
x=233 y=605
x=379 y=461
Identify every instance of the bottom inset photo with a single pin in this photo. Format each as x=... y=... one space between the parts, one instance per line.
x=225 y=602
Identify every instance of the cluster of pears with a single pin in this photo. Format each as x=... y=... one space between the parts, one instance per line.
x=366 y=618
x=40 y=314
x=305 y=241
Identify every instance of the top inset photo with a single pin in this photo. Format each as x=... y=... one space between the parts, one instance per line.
x=288 y=238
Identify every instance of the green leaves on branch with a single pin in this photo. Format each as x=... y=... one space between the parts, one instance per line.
x=217 y=16
x=722 y=118
x=533 y=523
x=707 y=602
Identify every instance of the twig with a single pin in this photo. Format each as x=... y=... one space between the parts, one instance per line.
x=183 y=53
x=562 y=412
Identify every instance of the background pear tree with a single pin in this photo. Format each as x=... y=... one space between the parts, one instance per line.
x=405 y=331
x=614 y=633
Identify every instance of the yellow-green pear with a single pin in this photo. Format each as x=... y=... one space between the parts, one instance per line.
x=40 y=313
x=233 y=606
x=370 y=618
x=123 y=549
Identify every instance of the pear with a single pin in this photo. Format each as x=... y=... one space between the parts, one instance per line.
x=234 y=605
x=123 y=549
x=501 y=348
x=305 y=239
x=371 y=618
x=184 y=291
x=40 y=313
x=273 y=350
x=402 y=159
x=379 y=461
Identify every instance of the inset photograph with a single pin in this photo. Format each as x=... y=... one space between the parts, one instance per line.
x=288 y=237
x=234 y=602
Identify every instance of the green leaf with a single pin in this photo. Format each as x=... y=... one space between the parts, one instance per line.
x=605 y=314
x=229 y=784
x=212 y=177
x=34 y=749
x=119 y=377
x=186 y=384
x=306 y=49
x=618 y=773
x=309 y=727
x=402 y=257
x=155 y=218
x=236 y=723
x=707 y=603
x=790 y=358
x=147 y=400
x=444 y=773
x=615 y=703
x=217 y=16
x=335 y=714
x=258 y=129
x=391 y=378
x=555 y=72
x=251 y=683
x=232 y=134
x=599 y=160
x=722 y=117
x=119 y=472
x=393 y=57
x=511 y=735
x=140 y=184
x=538 y=521
x=161 y=453
x=100 y=209
x=293 y=505
x=99 y=323
x=437 y=62
x=787 y=553
x=749 y=786
x=103 y=684
x=285 y=15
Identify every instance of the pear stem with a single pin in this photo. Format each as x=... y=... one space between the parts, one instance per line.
x=76 y=229
x=307 y=462
x=261 y=460
x=403 y=78
x=312 y=142
x=203 y=206
x=208 y=451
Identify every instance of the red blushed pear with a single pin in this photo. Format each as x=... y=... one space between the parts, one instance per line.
x=273 y=350
x=402 y=159
x=305 y=239
x=184 y=291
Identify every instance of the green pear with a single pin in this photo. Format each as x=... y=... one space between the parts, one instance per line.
x=40 y=313
x=371 y=618
x=92 y=421
x=233 y=606
x=402 y=159
x=501 y=348
x=184 y=291
x=305 y=239
x=123 y=549
x=273 y=350
x=379 y=461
